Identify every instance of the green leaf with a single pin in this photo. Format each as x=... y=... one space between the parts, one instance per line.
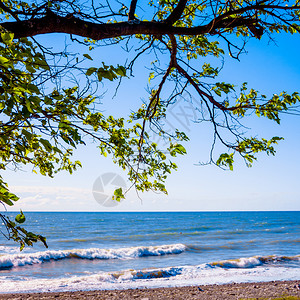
x=7 y=37
x=121 y=71
x=3 y=60
x=28 y=105
x=27 y=134
x=90 y=71
x=46 y=144
x=20 y=218
x=7 y=201
x=43 y=64
x=226 y=160
x=151 y=76
x=87 y=56
x=181 y=149
x=34 y=88
x=47 y=100
x=118 y=194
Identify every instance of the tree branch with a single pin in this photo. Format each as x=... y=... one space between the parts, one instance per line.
x=71 y=25
x=7 y=10
x=132 y=10
x=177 y=12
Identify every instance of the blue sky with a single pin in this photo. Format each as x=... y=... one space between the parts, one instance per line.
x=271 y=184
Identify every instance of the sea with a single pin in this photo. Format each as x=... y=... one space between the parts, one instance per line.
x=100 y=250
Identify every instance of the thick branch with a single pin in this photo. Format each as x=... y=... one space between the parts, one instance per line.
x=177 y=12
x=52 y=23
x=132 y=10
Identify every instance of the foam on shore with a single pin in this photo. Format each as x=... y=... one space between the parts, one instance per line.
x=270 y=268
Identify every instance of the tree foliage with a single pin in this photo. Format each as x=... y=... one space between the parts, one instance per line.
x=44 y=116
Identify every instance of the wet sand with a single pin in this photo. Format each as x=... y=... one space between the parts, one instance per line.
x=261 y=290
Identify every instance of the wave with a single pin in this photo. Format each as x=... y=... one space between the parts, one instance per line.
x=7 y=249
x=254 y=261
x=147 y=273
x=17 y=260
x=160 y=277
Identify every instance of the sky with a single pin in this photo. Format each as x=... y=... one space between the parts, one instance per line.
x=271 y=184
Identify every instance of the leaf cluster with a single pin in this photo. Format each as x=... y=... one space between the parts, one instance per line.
x=43 y=120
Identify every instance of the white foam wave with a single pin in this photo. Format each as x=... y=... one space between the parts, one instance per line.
x=254 y=261
x=14 y=260
x=10 y=250
x=151 y=278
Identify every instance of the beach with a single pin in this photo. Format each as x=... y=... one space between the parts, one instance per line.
x=260 y=290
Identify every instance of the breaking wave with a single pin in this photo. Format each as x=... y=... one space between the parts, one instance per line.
x=252 y=269
x=254 y=261
x=17 y=260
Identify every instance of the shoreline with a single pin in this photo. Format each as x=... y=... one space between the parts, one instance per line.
x=256 y=290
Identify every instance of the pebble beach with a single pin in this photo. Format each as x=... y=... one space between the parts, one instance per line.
x=263 y=290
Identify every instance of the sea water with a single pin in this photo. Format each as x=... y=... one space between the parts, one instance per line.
x=153 y=249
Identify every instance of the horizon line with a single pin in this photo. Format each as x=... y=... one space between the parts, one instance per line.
x=152 y=211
